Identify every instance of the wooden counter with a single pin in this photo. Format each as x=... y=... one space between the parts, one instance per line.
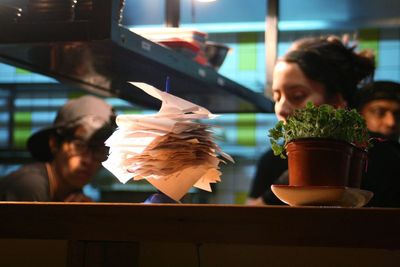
x=111 y=234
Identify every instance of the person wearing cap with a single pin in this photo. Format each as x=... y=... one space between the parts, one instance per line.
x=379 y=104
x=68 y=153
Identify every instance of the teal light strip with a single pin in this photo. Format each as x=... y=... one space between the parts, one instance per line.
x=227 y=27
x=215 y=27
x=234 y=27
x=296 y=25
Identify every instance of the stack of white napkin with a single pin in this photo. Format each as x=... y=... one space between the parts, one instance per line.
x=171 y=149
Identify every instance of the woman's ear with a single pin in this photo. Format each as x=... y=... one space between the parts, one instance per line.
x=53 y=144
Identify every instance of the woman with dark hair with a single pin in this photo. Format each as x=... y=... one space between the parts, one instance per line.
x=322 y=70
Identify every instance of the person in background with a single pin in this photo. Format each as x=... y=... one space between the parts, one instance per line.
x=69 y=154
x=379 y=104
x=322 y=70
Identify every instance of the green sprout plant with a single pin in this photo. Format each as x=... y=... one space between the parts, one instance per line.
x=322 y=121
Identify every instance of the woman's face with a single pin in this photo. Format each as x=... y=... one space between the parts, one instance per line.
x=291 y=90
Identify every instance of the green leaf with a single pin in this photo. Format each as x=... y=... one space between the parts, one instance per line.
x=323 y=121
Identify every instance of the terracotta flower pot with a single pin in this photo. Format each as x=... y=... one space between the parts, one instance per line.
x=318 y=162
x=357 y=167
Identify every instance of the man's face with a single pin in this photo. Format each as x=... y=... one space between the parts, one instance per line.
x=78 y=160
x=383 y=116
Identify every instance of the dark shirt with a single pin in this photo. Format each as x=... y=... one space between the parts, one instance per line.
x=269 y=170
x=28 y=183
x=383 y=174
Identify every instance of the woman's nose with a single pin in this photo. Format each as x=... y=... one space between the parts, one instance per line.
x=283 y=109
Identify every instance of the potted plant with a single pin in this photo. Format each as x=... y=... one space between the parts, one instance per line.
x=320 y=143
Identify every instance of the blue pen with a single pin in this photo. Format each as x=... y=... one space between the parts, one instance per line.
x=167 y=85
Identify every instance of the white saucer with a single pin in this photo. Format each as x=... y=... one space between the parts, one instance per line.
x=322 y=195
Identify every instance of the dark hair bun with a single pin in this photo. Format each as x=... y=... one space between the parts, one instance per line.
x=331 y=62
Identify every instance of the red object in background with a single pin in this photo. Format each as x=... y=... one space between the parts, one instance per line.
x=189 y=49
x=177 y=43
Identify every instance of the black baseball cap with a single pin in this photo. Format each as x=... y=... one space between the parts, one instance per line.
x=89 y=111
x=378 y=90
